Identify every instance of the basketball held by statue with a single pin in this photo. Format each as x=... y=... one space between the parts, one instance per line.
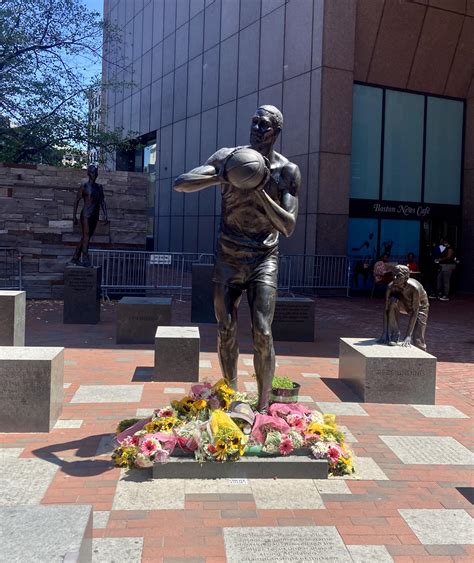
x=246 y=169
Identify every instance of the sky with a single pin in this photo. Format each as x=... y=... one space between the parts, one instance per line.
x=96 y=5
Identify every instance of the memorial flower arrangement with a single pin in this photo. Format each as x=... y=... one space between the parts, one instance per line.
x=216 y=423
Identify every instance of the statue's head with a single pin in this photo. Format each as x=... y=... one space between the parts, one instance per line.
x=92 y=172
x=400 y=275
x=267 y=122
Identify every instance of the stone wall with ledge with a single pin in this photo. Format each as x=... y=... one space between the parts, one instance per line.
x=36 y=212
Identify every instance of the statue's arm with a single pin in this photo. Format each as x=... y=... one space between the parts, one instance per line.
x=283 y=216
x=384 y=338
x=210 y=174
x=103 y=205
x=413 y=317
x=80 y=193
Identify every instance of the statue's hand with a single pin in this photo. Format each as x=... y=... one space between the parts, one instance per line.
x=407 y=341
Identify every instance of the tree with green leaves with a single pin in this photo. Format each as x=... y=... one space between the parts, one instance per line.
x=47 y=48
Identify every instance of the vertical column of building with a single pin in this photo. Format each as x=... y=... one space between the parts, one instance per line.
x=467 y=249
x=331 y=120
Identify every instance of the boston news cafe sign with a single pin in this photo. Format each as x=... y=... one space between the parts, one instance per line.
x=401 y=210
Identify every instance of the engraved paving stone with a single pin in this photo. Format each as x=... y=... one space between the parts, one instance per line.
x=424 y=450
x=106 y=550
x=439 y=411
x=289 y=543
x=108 y=394
x=440 y=526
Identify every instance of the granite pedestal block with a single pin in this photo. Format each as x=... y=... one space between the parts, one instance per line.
x=12 y=318
x=82 y=295
x=294 y=319
x=252 y=467
x=31 y=383
x=202 y=295
x=387 y=374
x=138 y=318
x=177 y=353
x=47 y=533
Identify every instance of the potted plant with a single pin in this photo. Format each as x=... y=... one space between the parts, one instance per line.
x=284 y=390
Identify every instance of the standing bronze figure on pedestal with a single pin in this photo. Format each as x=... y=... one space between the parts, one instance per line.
x=92 y=195
x=259 y=201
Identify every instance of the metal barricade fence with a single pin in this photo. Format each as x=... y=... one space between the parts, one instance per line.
x=10 y=268
x=153 y=273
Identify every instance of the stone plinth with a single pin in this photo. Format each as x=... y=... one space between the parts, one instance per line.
x=202 y=295
x=12 y=318
x=82 y=295
x=177 y=353
x=138 y=318
x=289 y=467
x=387 y=374
x=294 y=319
x=31 y=383
x=47 y=533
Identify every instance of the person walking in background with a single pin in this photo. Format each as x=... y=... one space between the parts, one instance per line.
x=447 y=262
x=412 y=265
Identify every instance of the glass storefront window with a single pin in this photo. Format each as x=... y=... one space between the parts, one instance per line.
x=403 y=146
x=398 y=238
x=366 y=141
x=444 y=122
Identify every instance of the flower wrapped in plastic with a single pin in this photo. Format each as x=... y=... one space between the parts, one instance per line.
x=226 y=441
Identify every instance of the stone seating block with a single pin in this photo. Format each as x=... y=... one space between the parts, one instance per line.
x=138 y=318
x=12 y=318
x=387 y=374
x=293 y=320
x=82 y=295
x=31 y=380
x=47 y=533
x=177 y=353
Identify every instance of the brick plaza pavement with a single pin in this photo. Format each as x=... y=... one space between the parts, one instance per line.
x=409 y=500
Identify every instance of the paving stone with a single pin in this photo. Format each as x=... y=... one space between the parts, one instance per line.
x=242 y=372
x=286 y=494
x=425 y=450
x=362 y=553
x=440 y=411
x=366 y=469
x=117 y=550
x=136 y=491
x=251 y=386
x=106 y=445
x=144 y=413
x=334 y=361
x=332 y=487
x=46 y=533
x=248 y=362
x=350 y=438
x=281 y=544
x=205 y=364
x=108 y=394
x=68 y=424
x=440 y=526
x=101 y=517
x=346 y=409
x=10 y=452
x=70 y=362
x=124 y=360
x=25 y=481
x=66 y=385
x=305 y=399
x=217 y=486
x=175 y=390
x=311 y=375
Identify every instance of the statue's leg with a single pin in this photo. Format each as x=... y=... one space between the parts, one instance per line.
x=89 y=228
x=226 y=303
x=419 y=330
x=261 y=300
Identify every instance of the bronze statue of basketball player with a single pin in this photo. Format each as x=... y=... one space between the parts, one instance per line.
x=247 y=248
x=407 y=296
x=92 y=195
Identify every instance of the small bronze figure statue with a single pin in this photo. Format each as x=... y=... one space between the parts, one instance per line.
x=259 y=201
x=93 y=196
x=407 y=296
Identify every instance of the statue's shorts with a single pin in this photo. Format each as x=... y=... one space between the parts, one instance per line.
x=242 y=267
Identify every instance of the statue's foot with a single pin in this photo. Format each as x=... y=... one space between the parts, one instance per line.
x=392 y=343
x=86 y=263
x=74 y=261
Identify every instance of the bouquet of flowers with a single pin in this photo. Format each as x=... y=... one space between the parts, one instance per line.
x=223 y=440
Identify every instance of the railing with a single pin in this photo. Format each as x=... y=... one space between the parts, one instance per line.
x=153 y=273
x=10 y=268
